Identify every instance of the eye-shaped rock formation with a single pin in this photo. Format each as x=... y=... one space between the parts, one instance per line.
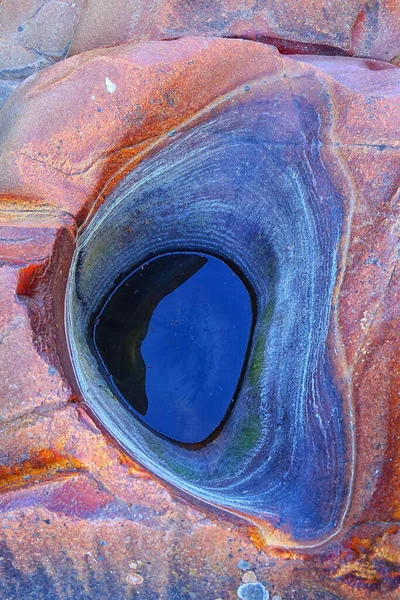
x=289 y=168
x=247 y=185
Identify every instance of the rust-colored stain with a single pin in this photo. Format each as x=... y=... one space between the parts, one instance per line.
x=42 y=465
x=80 y=518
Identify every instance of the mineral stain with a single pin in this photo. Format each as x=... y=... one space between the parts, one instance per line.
x=173 y=338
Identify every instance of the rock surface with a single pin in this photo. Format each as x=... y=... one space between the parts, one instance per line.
x=78 y=510
x=353 y=27
x=33 y=35
x=36 y=33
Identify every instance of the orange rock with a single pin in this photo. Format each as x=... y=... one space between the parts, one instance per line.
x=350 y=27
x=77 y=509
x=33 y=33
x=113 y=129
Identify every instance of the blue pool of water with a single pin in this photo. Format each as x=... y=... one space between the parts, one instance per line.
x=172 y=338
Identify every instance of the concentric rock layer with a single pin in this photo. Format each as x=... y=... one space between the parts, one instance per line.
x=291 y=165
x=245 y=187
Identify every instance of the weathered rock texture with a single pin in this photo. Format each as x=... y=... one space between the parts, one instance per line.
x=36 y=33
x=33 y=35
x=354 y=27
x=81 y=519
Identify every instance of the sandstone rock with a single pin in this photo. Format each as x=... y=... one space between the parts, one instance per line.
x=33 y=34
x=355 y=28
x=68 y=145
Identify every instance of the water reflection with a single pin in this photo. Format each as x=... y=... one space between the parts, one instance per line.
x=172 y=338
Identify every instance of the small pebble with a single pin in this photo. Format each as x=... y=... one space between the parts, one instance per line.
x=276 y=597
x=244 y=565
x=252 y=591
x=135 y=579
x=249 y=577
x=133 y=565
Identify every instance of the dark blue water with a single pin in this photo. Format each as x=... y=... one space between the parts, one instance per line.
x=173 y=338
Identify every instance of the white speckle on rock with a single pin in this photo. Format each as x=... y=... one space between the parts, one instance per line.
x=111 y=87
x=135 y=579
x=252 y=591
